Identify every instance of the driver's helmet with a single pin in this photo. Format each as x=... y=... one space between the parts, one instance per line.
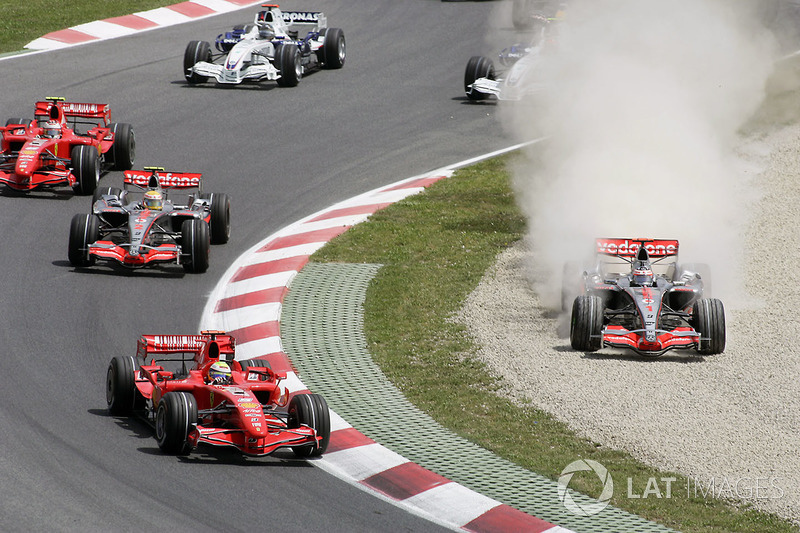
x=643 y=276
x=153 y=200
x=52 y=129
x=219 y=372
x=266 y=31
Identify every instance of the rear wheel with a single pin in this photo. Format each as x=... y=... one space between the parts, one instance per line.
x=310 y=410
x=586 y=326
x=105 y=191
x=176 y=414
x=477 y=67
x=83 y=231
x=122 y=396
x=123 y=151
x=86 y=168
x=291 y=70
x=334 y=50
x=708 y=319
x=220 y=216
x=196 y=51
x=195 y=244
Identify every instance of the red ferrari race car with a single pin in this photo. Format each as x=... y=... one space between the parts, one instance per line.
x=141 y=225
x=217 y=401
x=51 y=150
x=638 y=297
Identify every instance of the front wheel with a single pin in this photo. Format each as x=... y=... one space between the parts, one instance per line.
x=195 y=244
x=85 y=168
x=586 y=325
x=176 y=414
x=310 y=410
x=291 y=70
x=708 y=319
x=196 y=51
x=83 y=231
x=477 y=67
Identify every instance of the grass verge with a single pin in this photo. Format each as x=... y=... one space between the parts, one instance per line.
x=22 y=22
x=436 y=246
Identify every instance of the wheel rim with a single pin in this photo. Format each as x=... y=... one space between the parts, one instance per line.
x=160 y=416
x=340 y=50
x=110 y=386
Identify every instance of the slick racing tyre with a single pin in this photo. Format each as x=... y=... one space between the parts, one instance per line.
x=220 y=216
x=196 y=51
x=477 y=67
x=105 y=191
x=333 y=51
x=85 y=168
x=310 y=410
x=122 y=396
x=83 y=231
x=288 y=63
x=123 y=151
x=708 y=319
x=586 y=326
x=175 y=416
x=195 y=244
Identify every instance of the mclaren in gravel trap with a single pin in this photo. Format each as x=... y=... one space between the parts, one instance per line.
x=637 y=296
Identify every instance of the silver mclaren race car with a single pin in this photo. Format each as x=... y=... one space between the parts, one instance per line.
x=268 y=49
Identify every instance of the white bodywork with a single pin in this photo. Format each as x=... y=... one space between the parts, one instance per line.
x=519 y=80
x=252 y=58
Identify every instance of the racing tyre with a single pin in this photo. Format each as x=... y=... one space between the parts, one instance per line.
x=86 y=168
x=176 y=414
x=122 y=396
x=477 y=67
x=708 y=320
x=310 y=410
x=83 y=231
x=196 y=51
x=220 y=216
x=123 y=151
x=586 y=326
x=333 y=49
x=105 y=191
x=291 y=70
x=195 y=243
x=16 y=121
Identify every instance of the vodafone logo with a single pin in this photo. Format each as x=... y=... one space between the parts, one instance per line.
x=169 y=179
x=626 y=247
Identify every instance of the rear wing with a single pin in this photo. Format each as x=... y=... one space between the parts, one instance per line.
x=152 y=177
x=616 y=255
x=273 y=13
x=629 y=247
x=74 y=109
x=211 y=344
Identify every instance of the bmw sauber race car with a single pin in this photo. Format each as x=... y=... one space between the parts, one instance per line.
x=521 y=74
x=210 y=398
x=141 y=225
x=66 y=143
x=267 y=49
x=638 y=297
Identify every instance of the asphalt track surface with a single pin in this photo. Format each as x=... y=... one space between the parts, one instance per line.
x=395 y=110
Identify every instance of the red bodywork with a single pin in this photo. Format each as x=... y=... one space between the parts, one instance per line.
x=241 y=414
x=29 y=160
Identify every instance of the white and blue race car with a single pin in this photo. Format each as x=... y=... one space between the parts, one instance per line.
x=267 y=49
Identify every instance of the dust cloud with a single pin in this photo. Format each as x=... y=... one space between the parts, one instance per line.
x=643 y=109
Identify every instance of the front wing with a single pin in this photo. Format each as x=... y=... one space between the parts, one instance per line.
x=680 y=338
x=164 y=253
x=259 y=72
x=252 y=444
